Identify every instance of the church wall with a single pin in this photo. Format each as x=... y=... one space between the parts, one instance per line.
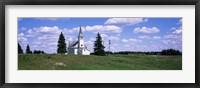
x=72 y=51
x=85 y=52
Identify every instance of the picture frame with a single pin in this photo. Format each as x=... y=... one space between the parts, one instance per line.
x=99 y=2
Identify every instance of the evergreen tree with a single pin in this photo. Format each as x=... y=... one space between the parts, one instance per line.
x=28 y=51
x=98 y=46
x=20 y=51
x=61 y=44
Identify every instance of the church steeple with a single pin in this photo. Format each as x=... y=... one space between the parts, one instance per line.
x=80 y=32
x=81 y=49
x=81 y=45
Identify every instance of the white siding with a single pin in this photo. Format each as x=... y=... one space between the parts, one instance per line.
x=72 y=51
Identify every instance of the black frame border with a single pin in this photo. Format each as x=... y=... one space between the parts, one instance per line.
x=3 y=3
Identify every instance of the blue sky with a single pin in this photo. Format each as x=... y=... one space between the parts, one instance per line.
x=126 y=34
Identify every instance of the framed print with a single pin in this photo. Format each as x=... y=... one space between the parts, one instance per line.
x=100 y=43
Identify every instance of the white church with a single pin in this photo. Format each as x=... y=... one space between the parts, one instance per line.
x=78 y=47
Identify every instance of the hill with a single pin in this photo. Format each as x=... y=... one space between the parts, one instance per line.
x=92 y=62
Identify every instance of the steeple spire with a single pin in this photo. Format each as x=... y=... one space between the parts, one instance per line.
x=80 y=32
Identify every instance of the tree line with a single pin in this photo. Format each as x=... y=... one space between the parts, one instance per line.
x=28 y=51
x=163 y=52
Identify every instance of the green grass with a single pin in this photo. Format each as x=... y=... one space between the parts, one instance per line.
x=91 y=62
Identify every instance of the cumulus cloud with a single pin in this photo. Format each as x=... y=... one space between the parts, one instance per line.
x=70 y=38
x=92 y=39
x=177 y=30
x=125 y=21
x=103 y=35
x=95 y=29
x=70 y=31
x=21 y=37
x=30 y=31
x=113 y=38
x=23 y=28
x=37 y=42
x=180 y=21
x=149 y=37
x=132 y=41
x=106 y=37
x=171 y=36
x=146 y=30
x=103 y=29
x=46 y=36
x=126 y=45
x=174 y=39
x=89 y=44
x=46 y=29
x=43 y=37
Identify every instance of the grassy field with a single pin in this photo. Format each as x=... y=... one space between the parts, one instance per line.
x=91 y=62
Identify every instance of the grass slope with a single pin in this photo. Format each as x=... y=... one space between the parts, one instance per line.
x=91 y=62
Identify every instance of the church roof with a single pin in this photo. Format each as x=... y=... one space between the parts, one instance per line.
x=73 y=44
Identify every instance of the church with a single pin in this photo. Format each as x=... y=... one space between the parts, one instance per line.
x=78 y=47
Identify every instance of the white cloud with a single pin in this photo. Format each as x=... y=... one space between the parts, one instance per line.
x=115 y=45
x=53 y=43
x=21 y=37
x=23 y=28
x=89 y=43
x=173 y=28
x=126 y=21
x=30 y=31
x=106 y=37
x=95 y=29
x=70 y=39
x=180 y=21
x=20 y=34
x=37 y=43
x=126 y=45
x=28 y=35
x=23 y=40
x=46 y=29
x=68 y=31
x=44 y=37
x=113 y=38
x=146 y=30
x=177 y=30
x=103 y=29
x=172 y=36
x=149 y=37
x=92 y=39
x=132 y=41
x=174 y=39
